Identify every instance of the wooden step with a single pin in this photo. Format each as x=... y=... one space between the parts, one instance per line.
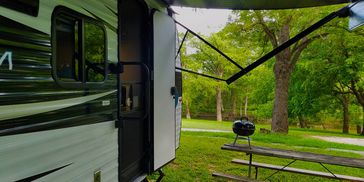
x=296 y=170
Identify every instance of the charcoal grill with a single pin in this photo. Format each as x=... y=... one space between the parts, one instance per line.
x=243 y=128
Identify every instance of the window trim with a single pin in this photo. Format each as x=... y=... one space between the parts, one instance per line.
x=61 y=10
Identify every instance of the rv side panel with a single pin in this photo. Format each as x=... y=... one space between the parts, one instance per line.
x=81 y=151
x=53 y=128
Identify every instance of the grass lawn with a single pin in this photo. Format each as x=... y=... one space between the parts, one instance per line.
x=226 y=125
x=199 y=154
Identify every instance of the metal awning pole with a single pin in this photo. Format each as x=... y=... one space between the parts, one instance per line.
x=180 y=46
x=210 y=45
x=200 y=74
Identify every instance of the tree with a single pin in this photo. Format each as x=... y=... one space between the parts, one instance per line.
x=278 y=27
x=338 y=63
x=343 y=96
x=348 y=56
x=196 y=89
x=212 y=63
x=306 y=93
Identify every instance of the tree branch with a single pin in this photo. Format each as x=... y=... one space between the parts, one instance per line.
x=358 y=95
x=272 y=37
x=346 y=29
x=297 y=50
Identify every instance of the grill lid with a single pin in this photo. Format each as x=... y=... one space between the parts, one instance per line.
x=243 y=127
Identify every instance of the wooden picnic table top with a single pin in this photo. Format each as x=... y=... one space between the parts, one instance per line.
x=290 y=154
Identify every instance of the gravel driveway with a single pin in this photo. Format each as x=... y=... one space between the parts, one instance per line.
x=353 y=141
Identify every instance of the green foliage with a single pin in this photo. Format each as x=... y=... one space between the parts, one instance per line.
x=94 y=52
x=321 y=77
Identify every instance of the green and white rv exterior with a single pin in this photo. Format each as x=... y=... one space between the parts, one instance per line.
x=87 y=90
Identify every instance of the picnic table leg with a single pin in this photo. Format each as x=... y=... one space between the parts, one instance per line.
x=281 y=169
x=256 y=172
x=329 y=171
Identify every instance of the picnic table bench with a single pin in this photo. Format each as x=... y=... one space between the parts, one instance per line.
x=294 y=155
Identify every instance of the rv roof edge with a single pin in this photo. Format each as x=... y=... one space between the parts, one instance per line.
x=157 y=4
x=254 y=4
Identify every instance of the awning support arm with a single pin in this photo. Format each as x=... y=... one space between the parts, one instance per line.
x=210 y=45
x=200 y=74
x=344 y=12
x=180 y=46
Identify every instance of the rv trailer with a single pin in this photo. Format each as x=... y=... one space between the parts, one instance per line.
x=91 y=90
x=87 y=90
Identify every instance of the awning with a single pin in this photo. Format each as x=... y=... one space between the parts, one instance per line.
x=253 y=4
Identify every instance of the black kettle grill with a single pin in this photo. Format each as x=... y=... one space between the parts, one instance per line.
x=243 y=128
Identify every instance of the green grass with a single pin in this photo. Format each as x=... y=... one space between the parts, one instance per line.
x=226 y=125
x=206 y=124
x=200 y=155
x=280 y=139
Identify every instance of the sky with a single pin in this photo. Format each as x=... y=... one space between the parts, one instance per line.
x=204 y=21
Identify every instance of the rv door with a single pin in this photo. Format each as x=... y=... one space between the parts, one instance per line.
x=164 y=90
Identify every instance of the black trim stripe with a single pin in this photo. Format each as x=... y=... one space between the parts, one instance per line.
x=111 y=27
x=30 y=7
x=109 y=8
x=38 y=176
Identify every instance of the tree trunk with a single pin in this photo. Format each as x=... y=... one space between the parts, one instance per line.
x=233 y=107
x=282 y=71
x=188 y=114
x=283 y=67
x=280 y=107
x=345 y=104
x=358 y=129
x=241 y=108
x=302 y=121
x=362 y=131
x=218 y=104
x=246 y=107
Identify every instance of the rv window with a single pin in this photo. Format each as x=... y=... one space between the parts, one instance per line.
x=67 y=57
x=94 y=52
x=30 y=7
x=79 y=49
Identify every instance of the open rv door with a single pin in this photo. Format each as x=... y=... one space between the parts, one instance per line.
x=164 y=90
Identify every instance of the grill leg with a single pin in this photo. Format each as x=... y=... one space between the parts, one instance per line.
x=249 y=143
x=236 y=138
x=250 y=164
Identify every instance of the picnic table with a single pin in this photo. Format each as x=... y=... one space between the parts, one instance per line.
x=295 y=155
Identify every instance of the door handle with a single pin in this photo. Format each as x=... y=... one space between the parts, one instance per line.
x=173 y=91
